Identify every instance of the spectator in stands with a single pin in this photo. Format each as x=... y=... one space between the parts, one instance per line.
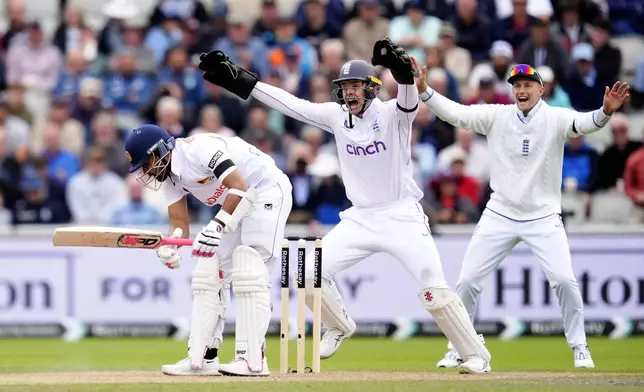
x=362 y=32
x=169 y=116
x=541 y=9
x=585 y=86
x=446 y=205
x=440 y=133
x=88 y=103
x=73 y=35
x=477 y=158
x=264 y=26
x=571 y=28
x=178 y=72
x=303 y=188
x=5 y=214
x=16 y=131
x=110 y=38
x=334 y=10
x=10 y=171
x=127 y=90
x=72 y=132
x=608 y=58
x=434 y=59
x=288 y=44
x=423 y=154
x=316 y=28
x=95 y=193
x=17 y=105
x=159 y=39
x=75 y=70
x=474 y=30
x=331 y=60
x=135 y=211
x=132 y=36
x=580 y=163
x=258 y=128
x=542 y=48
x=16 y=12
x=106 y=135
x=56 y=190
x=613 y=161
x=415 y=30
x=184 y=10
x=62 y=164
x=634 y=180
x=457 y=60
x=487 y=94
x=36 y=206
x=553 y=94
x=33 y=61
x=637 y=90
x=515 y=29
x=242 y=48
x=233 y=111
x=211 y=121
x=329 y=196
x=498 y=68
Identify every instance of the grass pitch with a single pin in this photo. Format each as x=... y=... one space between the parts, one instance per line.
x=362 y=364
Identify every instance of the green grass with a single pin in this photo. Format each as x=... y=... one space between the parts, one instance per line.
x=527 y=355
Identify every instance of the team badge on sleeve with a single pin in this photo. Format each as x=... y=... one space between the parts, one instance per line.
x=214 y=159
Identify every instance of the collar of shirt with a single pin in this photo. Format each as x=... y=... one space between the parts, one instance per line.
x=177 y=161
x=526 y=119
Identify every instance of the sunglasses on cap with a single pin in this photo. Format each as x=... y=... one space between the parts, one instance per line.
x=524 y=70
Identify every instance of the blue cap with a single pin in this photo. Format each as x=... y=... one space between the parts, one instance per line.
x=143 y=142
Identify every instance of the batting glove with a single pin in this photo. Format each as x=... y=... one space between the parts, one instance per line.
x=207 y=240
x=169 y=254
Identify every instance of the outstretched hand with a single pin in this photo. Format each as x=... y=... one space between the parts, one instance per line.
x=421 y=79
x=615 y=97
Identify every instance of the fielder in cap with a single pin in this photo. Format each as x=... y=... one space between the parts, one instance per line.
x=526 y=142
x=240 y=243
x=373 y=139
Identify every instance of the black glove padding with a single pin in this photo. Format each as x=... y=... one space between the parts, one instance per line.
x=392 y=56
x=218 y=69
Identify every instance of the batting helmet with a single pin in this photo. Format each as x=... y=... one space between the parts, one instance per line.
x=146 y=141
x=357 y=70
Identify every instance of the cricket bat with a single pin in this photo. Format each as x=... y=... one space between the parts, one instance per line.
x=114 y=237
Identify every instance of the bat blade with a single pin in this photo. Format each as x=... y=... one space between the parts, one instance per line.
x=108 y=237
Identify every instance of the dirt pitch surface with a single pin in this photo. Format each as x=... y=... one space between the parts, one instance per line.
x=156 y=377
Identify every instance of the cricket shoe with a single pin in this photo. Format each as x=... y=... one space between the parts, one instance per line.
x=474 y=365
x=582 y=357
x=331 y=340
x=452 y=359
x=239 y=367
x=183 y=368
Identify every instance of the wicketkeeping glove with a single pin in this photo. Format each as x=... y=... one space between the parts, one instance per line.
x=169 y=254
x=392 y=56
x=218 y=69
x=207 y=240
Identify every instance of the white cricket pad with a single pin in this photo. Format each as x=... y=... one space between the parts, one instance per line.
x=450 y=315
x=250 y=281
x=333 y=312
x=208 y=309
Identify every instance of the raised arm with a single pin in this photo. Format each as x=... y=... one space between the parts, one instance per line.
x=218 y=69
x=574 y=124
x=316 y=114
x=478 y=118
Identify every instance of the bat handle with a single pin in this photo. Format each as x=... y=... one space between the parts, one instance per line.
x=177 y=241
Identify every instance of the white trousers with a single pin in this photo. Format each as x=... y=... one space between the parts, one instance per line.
x=494 y=238
x=400 y=230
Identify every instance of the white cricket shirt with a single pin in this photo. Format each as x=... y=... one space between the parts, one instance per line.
x=526 y=152
x=199 y=164
x=374 y=154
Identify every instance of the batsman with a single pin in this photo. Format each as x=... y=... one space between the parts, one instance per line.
x=238 y=245
x=373 y=139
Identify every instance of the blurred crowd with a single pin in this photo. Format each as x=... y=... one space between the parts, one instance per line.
x=72 y=93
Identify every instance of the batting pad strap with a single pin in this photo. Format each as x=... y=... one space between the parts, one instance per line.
x=452 y=318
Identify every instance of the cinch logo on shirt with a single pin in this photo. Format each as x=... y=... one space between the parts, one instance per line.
x=371 y=149
x=213 y=199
